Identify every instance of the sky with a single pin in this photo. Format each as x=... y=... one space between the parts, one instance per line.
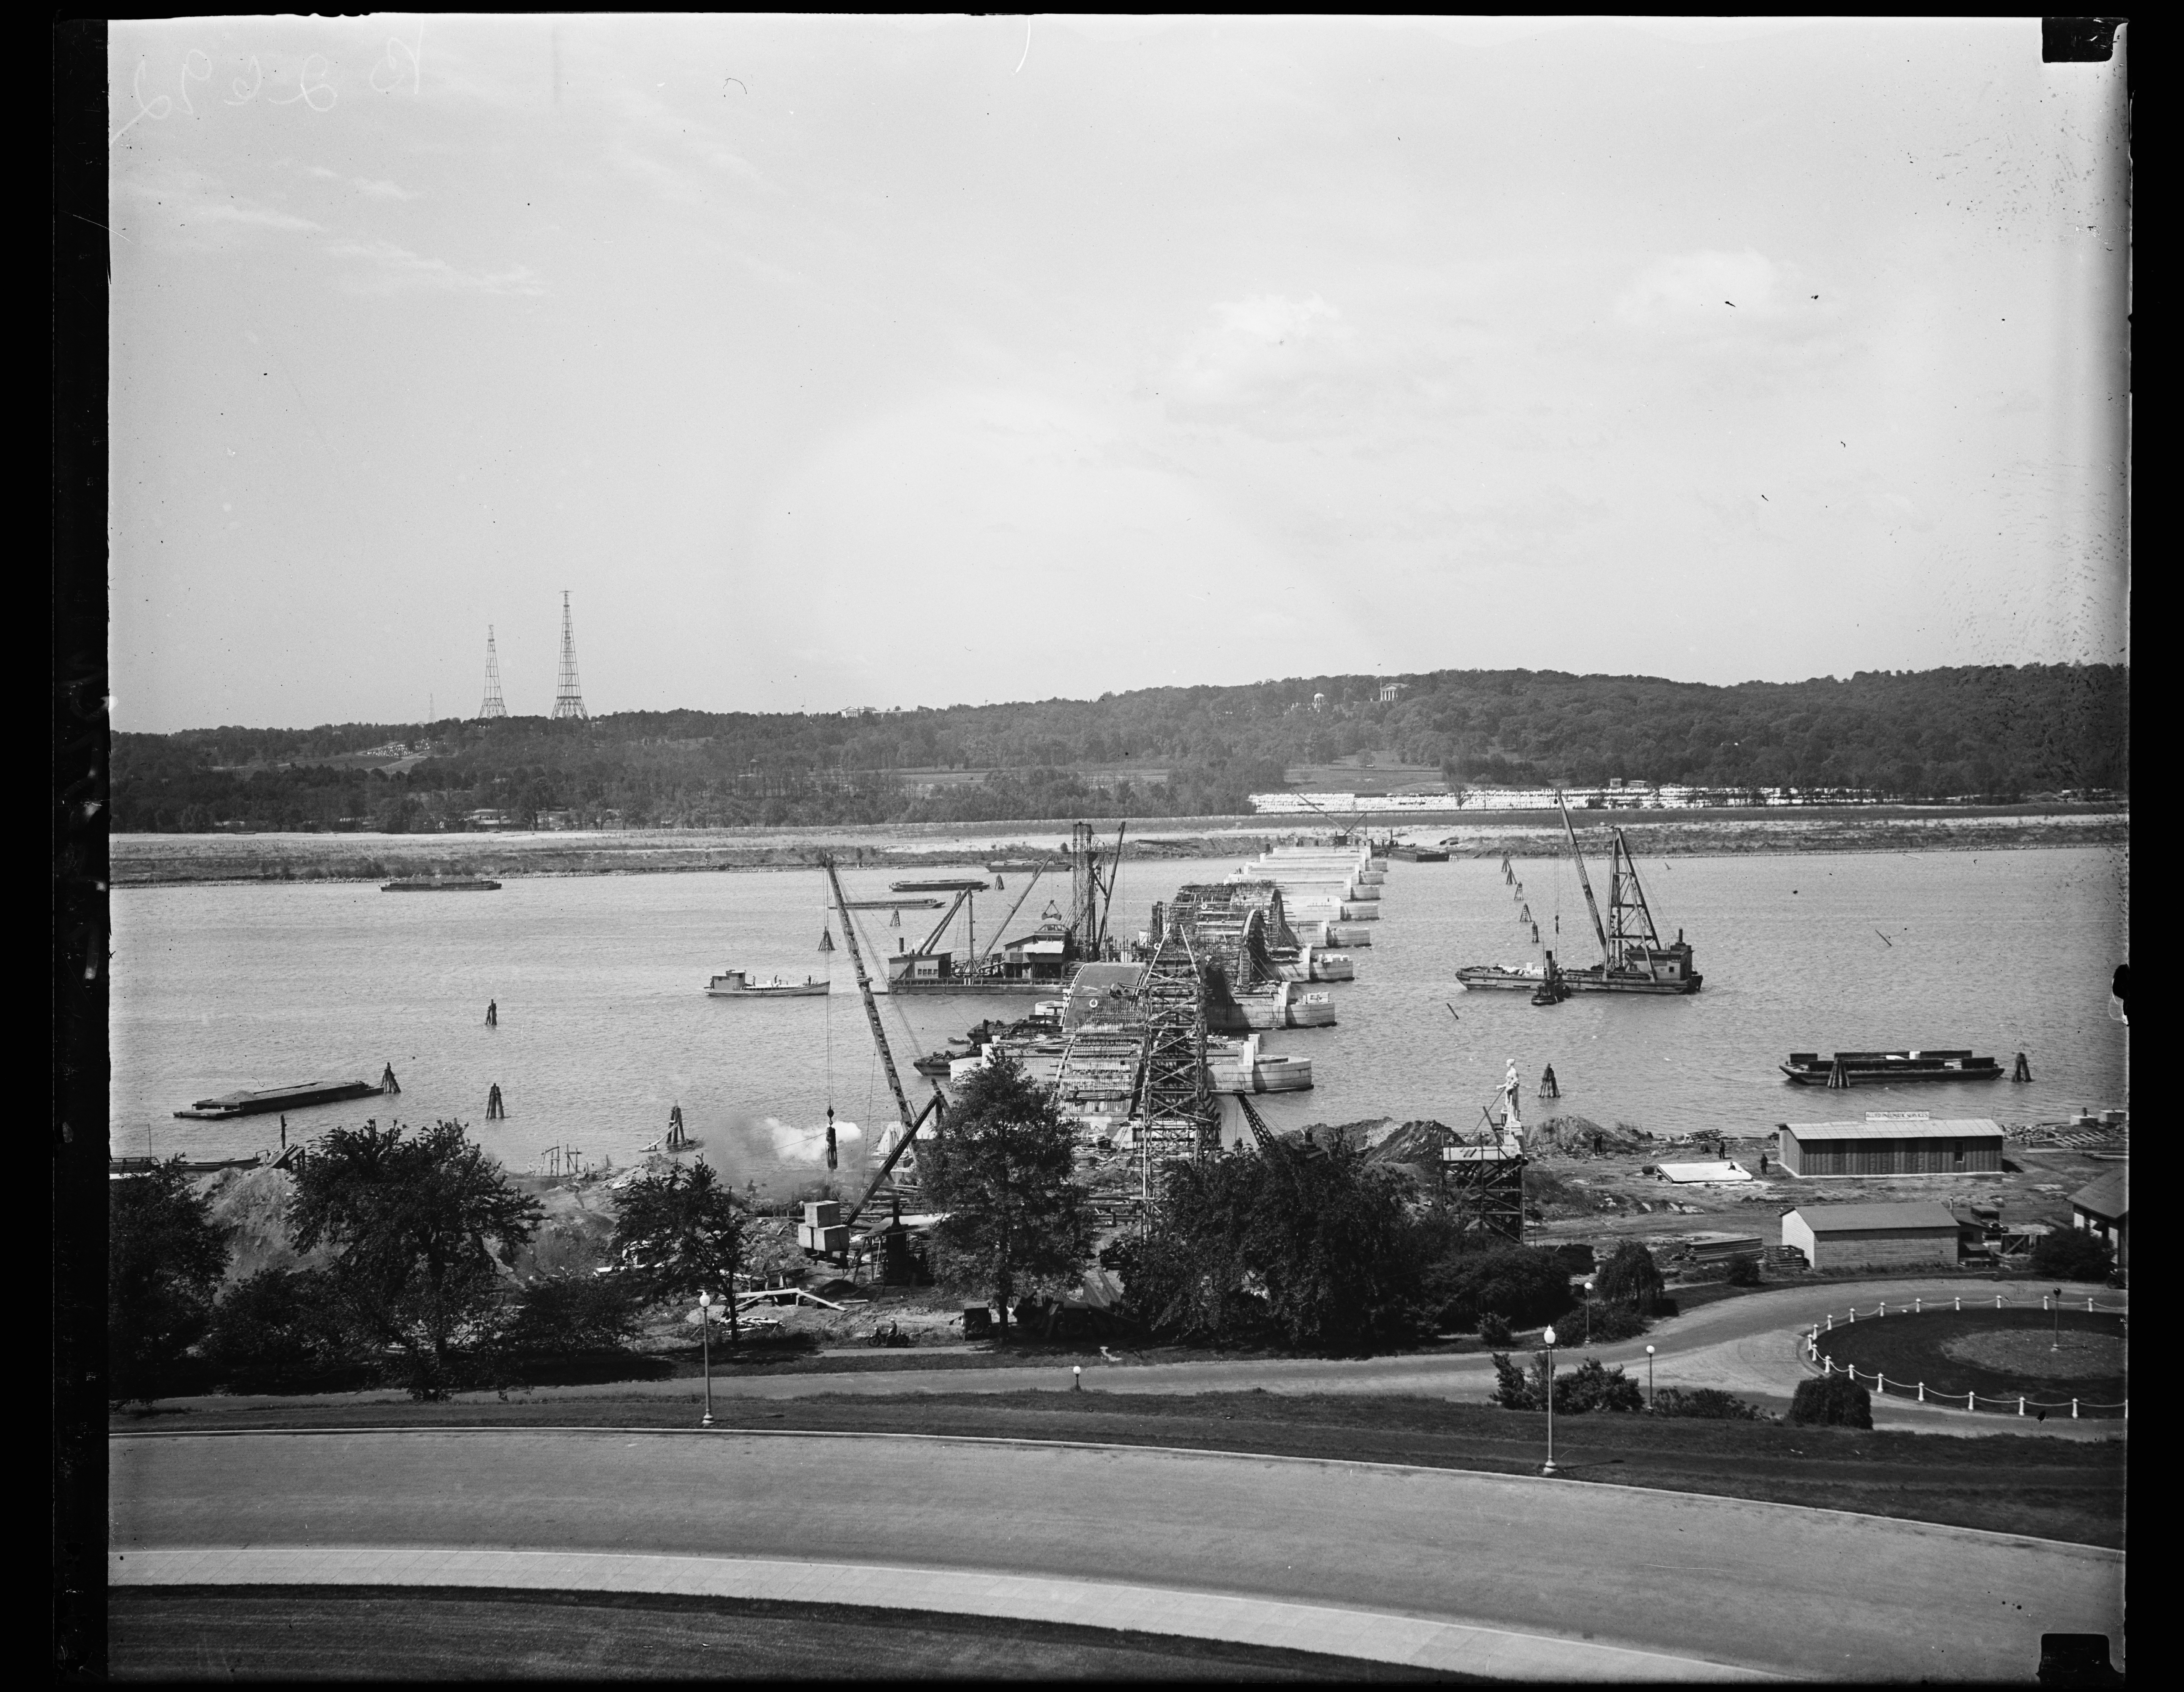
x=828 y=362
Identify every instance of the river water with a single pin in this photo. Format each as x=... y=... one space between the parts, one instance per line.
x=604 y=1023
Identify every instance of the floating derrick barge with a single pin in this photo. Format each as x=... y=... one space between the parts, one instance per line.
x=1632 y=957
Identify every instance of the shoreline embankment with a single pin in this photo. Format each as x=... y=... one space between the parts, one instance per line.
x=167 y=859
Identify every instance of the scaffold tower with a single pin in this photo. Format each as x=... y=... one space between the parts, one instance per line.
x=568 y=697
x=1177 y=1118
x=494 y=705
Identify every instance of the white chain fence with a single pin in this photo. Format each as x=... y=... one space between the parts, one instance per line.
x=1878 y=1382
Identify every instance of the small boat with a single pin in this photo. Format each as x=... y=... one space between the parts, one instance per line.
x=738 y=984
x=231 y=1105
x=440 y=884
x=935 y=1066
x=1853 y=1069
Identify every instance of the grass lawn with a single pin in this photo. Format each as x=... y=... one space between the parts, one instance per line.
x=2007 y=1482
x=1995 y=1353
x=319 y=1632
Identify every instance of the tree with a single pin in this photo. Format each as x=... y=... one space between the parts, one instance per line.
x=1522 y=1284
x=165 y=1258
x=1831 y=1401
x=680 y=1232
x=2073 y=1254
x=419 y=1224
x=1004 y=1176
x=1311 y=1243
x=1630 y=1279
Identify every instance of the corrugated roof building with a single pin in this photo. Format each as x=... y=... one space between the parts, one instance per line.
x=1873 y=1236
x=1896 y=1142
x=2103 y=1210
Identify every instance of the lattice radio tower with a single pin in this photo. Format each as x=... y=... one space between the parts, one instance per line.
x=494 y=705
x=568 y=697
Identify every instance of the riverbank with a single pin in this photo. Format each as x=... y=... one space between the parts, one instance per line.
x=155 y=859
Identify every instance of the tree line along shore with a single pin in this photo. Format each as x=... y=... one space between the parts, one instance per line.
x=151 y=859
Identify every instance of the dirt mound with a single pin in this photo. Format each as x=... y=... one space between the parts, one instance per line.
x=255 y=1204
x=1418 y=1142
x=1581 y=1137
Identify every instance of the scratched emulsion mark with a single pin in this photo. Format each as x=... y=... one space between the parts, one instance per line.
x=314 y=85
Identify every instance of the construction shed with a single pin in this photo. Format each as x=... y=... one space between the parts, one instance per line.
x=1894 y=1142
x=1872 y=1236
x=2103 y=1211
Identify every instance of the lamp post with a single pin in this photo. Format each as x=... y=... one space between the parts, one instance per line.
x=705 y=1351
x=1588 y=1309
x=1548 y=1467
x=2055 y=1342
x=1649 y=1378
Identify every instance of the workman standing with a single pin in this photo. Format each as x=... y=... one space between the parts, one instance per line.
x=493 y=1013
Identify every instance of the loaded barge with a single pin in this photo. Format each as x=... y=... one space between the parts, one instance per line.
x=232 y=1104
x=1852 y=1069
x=440 y=884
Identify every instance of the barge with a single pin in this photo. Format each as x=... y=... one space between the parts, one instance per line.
x=229 y=1105
x=440 y=884
x=1855 y=1069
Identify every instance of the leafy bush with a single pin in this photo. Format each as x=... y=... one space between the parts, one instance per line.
x=563 y=1314
x=1744 y=1273
x=1494 y=1328
x=1630 y=1279
x=283 y=1330
x=2073 y=1254
x=1832 y=1401
x=1710 y=1404
x=1610 y=1323
x=1522 y=1284
x=1589 y=1386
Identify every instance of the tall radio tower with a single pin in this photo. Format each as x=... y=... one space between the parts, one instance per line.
x=494 y=706
x=568 y=698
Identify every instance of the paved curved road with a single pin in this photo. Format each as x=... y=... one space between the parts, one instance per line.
x=1745 y=1345
x=1758 y=1587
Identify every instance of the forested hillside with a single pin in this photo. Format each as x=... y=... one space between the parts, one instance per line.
x=1999 y=733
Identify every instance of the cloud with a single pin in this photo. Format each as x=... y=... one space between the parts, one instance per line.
x=392 y=269
x=1715 y=293
x=375 y=188
x=196 y=201
x=1261 y=350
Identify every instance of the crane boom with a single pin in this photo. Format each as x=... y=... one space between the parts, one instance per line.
x=932 y=1109
x=1036 y=873
x=865 y=987
x=1585 y=882
x=1099 y=947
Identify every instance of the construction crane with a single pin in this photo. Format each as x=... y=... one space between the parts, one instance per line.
x=1342 y=830
x=933 y=1107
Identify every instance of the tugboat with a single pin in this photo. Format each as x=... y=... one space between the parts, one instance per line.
x=738 y=984
x=1553 y=989
x=1633 y=960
